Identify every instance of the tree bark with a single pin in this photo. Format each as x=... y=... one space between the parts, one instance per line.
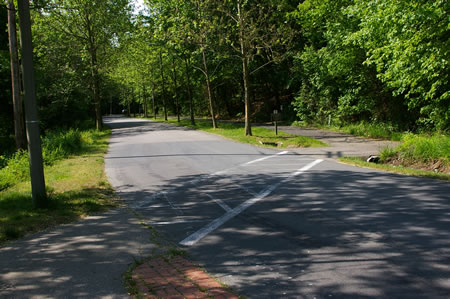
x=144 y=100
x=174 y=71
x=191 y=104
x=208 y=86
x=163 y=85
x=153 y=101
x=19 y=125
x=245 y=72
x=94 y=75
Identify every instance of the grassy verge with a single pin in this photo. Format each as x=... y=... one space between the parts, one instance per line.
x=261 y=136
x=424 y=156
x=422 y=152
x=76 y=185
x=363 y=129
x=357 y=161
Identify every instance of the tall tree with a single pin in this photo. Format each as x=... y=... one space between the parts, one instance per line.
x=19 y=128
x=257 y=35
x=94 y=26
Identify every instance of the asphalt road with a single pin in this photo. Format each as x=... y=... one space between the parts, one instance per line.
x=274 y=224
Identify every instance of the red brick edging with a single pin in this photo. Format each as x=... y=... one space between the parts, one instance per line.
x=176 y=278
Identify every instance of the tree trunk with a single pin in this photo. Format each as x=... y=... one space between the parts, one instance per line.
x=94 y=76
x=188 y=79
x=38 y=191
x=144 y=100
x=19 y=125
x=153 y=101
x=245 y=72
x=163 y=86
x=208 y=86
x=174 y=71
x=96 y=91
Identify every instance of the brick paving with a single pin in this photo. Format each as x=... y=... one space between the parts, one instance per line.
x=176 y=278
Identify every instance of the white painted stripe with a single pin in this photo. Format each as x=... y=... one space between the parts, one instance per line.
x=141 y=204
x=201 y=233
x=248 y=190
x=219 y=202
x=175 y=222
x=174 y=207
x=216 y=200
x=265 y=158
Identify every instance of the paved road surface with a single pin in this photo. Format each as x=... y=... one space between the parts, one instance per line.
x=340 y=144
x=275 y=224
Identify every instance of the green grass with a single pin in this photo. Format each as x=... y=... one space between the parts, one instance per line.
x=423 y=156
x=76 y=186
x=363 y=129
x=417 y=151
x=236 y=132
x=357 y=161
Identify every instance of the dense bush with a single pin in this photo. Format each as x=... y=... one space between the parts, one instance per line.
x=376 y=61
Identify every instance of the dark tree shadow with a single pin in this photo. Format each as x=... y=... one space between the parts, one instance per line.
x=324 y=234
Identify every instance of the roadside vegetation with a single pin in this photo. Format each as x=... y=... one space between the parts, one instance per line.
x=76 y=183
x=425 y=156
x=261 y=136
x=423 y=152
x=370 y=68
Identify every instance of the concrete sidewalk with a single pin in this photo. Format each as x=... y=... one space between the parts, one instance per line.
x=88 y=259
x=82 y=259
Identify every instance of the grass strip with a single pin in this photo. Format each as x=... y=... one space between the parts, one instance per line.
x=261 y=136
x=76 y=186
x=360 y=162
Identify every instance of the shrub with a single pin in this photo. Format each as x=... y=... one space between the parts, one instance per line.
x=56 y=145
x=16 y=170
x=60 y=144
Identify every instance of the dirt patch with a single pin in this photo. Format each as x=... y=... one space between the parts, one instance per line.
x=438 y=166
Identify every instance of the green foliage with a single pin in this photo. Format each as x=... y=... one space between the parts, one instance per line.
x=375 y=61
x=373 y=130
x=357 y=161
x=56 y=145
x=76 y=186
x=424 y=149
x=408 y=43
x=16 y=169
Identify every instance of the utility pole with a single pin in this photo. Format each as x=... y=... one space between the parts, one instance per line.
x=31 y=112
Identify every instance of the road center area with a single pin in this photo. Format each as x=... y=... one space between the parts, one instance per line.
x=198 y=207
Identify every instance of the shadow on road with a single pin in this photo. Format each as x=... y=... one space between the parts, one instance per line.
x=329 y=234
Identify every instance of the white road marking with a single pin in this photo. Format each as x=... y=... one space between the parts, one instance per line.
x=201 y=233
x=141 y=204
x=265 y=158
x=174 y=222
x=222 y=204
x=177 y=210
x=219 y=202
x=248 y=190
